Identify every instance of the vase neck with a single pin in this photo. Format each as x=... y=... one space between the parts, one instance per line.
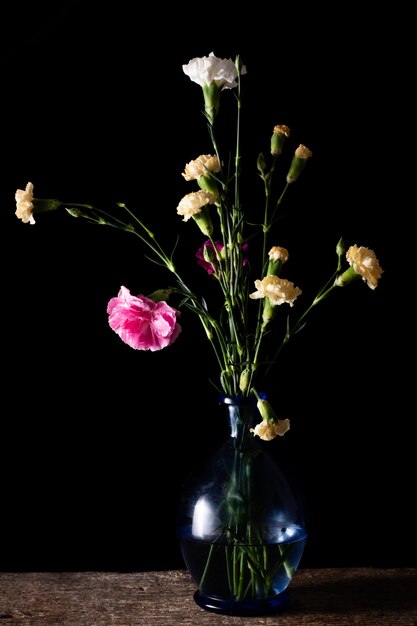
x=243 y=415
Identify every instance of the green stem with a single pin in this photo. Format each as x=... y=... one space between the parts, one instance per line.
x=206 y=568
x=291 y=331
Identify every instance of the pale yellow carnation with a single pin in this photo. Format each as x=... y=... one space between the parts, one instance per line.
x=24 y=204
x=201 y=166
x=281 y=129
x=266 y=431
x=278 y=290
x=192 y=203
x=365 y=263
x=277 y=253
x=302 y=152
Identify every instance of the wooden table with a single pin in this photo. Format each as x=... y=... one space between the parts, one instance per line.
x=364 y=596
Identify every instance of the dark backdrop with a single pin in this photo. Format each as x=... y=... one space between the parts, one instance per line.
x=96 y=439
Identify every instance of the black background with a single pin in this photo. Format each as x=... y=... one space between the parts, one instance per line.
x=96 y=438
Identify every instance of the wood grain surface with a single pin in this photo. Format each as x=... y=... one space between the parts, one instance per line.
x=337 y=597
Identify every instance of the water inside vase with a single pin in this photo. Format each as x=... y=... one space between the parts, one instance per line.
x=216 y=565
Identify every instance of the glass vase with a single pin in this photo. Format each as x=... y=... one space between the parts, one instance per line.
x=241 y=526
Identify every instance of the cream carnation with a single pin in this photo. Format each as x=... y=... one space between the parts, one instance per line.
x=192 y=203
x=277 y=253
x=266 y=431
x=201 y=166
x=278 y=290
x=24 y=204
x=365 y=263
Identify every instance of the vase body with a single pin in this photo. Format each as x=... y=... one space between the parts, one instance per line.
x=241 y=525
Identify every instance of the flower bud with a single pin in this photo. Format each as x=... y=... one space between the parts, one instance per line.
x=299 y=161
x=241 y=69
x=340 y=248
x=160 y=295
x=74 y=212
x=261 y=163
x=277 y=257
x=244 y=379
x=281 y=132
x=209 y=254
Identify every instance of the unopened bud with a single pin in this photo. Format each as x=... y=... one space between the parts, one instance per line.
x=277 y=257
x=261 y=163
x=74 y=212
x=244 y=379
x=208 y=254
x=280 y=134
x=160 y=295
x=299 y=161
x=340 y=248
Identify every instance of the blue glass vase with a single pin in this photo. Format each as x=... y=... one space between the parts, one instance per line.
x=241 y=526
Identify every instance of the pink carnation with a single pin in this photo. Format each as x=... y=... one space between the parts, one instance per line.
x=142 y=323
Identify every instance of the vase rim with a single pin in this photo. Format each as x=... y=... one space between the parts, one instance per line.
x=226 y=399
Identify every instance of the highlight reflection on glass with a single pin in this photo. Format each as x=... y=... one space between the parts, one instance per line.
x=204 y=519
